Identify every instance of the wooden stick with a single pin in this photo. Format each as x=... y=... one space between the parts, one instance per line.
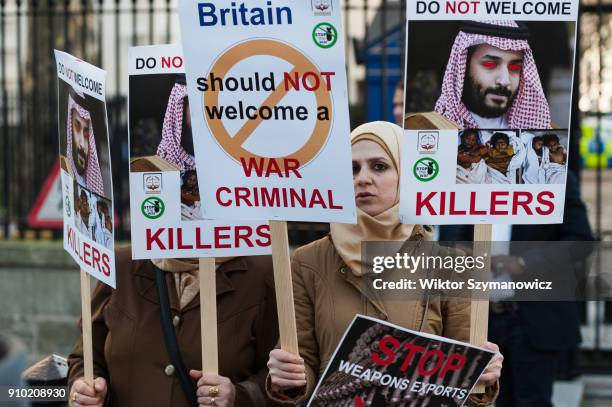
x=479 y=324
x=208 y=315
x=284 y=287
x=86 y=326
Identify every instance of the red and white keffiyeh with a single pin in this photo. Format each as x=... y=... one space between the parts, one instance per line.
x=530 y=108
x=170 y=148
x=93 y=175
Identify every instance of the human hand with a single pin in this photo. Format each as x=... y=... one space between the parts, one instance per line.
x=286 y=370
x=84 y=394
x=493 y=371
x=214 y=390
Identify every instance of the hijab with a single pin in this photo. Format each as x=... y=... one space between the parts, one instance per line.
x=385 y=226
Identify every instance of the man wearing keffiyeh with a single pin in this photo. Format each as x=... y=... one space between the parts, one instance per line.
x=492 y=81
x=81 y=153
x=175 y=148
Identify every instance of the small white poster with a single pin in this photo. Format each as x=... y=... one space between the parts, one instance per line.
x=166 y=201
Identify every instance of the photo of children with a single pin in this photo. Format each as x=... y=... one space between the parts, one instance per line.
x=489 y=157
x=546 y=159
x=93 y=216
x=505 y=157
x=190 y=195
x=160 y=132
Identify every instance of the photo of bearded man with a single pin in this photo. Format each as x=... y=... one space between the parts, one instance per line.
x=489 y=75
x=492 y=80
x=81 y=128
x=84 y=156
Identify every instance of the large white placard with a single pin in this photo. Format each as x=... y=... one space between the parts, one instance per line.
x=267 y=85
x=165 y=201
x=492 y=146
x=87 y=189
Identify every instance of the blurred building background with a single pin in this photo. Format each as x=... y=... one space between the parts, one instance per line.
x=39 y=288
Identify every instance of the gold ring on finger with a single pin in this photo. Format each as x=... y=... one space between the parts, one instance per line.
x=74 y=396
x=213 y=391
x=212 y=401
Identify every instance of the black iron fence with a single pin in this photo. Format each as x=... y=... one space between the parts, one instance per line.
x=100 y=31
x=95 y=30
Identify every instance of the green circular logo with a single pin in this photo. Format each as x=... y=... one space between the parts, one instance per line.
x=325 y=35
x=152 y=207
x=67 y=206
x=426 y=169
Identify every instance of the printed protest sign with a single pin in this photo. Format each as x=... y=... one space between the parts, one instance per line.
x=380 y=364
x=165 y=200
x=47 y=210
x=490 y=145
x=269 y=109
x=85 y=163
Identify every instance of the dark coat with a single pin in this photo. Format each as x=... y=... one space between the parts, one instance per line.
x=551 y=325
x=128 y=345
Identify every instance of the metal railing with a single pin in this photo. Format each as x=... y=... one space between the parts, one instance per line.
x=100 y=31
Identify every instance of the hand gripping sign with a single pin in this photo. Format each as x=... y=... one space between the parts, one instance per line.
x=488 y=149
x=270 y=119
x=87 y=191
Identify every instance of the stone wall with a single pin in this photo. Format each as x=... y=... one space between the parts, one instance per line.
x=40 y=299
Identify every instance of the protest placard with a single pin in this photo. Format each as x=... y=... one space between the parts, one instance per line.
x=380 y=364
x=87 y=189
x=269 y=109
x=165 y=200
x=493 y=147
x=85 y=167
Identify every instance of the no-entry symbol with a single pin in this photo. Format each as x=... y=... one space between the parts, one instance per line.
x=233 y=144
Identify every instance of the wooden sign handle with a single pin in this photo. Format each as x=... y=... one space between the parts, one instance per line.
x=479 y=324
x=208 y=315
x=86 y=327
x=284 y=287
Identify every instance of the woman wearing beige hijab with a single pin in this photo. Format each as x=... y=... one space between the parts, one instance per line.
x=327 y=277
x=133 y=365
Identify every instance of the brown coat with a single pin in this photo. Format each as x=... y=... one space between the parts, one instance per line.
x=327 y=296
x=128 y=345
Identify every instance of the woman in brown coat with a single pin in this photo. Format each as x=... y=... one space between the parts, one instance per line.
x=327 y=276
x=131 y=363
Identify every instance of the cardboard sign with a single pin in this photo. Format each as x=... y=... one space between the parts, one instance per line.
x=492 y=145
x=165 y=199
x=380 y=364
x=269 y=109
x=87 y=189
